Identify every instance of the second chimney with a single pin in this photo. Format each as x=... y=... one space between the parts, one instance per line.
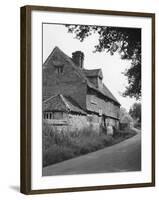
x=78 y=58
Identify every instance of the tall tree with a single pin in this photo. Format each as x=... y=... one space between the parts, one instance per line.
x=135 y=112
x=122 y=112
x=125 y=41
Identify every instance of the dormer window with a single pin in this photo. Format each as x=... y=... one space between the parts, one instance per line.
x=95 y=76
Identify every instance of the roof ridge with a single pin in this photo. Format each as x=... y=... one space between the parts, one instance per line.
x=93 y=72
x=54 y=49
x=67 y=58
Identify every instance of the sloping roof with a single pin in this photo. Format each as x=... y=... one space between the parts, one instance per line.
x=56 y=50
x=108 y=93
x=93 y=72
x=61 y=103
x=82 y=73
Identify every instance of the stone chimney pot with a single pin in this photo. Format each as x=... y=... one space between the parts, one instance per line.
x=78 y=58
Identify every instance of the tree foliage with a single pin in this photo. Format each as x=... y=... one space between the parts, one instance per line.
x=124 y=116
x=135 y=112
x=134 y=81
x=122 y=112
x=125 y=41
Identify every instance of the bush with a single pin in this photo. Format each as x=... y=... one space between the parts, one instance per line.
x=125 y=133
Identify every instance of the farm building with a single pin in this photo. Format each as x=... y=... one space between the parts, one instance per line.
x=75 y=97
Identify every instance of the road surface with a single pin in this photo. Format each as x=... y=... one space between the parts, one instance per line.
x=124 y=156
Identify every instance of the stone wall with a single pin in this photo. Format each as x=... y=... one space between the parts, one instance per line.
x=76 y=123
x=71 y=123
x=94 y=122
x=112 y=122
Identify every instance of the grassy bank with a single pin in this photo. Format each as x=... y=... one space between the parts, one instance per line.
x=58 y=147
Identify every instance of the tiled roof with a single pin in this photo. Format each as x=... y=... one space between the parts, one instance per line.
x=108 y=93
x=83 y=73
x=54 y=103
x=67 y=59
x=62 y=103
x=104 y=91
x=93 y=72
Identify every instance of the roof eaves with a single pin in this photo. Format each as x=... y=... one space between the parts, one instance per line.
x=74 y=104
x=46 y=100
x=111 y=96
x=65 y=101
x=90 y=85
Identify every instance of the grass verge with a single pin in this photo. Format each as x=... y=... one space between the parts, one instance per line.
x=58 y=147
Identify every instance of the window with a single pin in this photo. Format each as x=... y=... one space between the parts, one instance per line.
x=54 y=115
x=58 y=115
x=93 y=100
x=47 y=115
x=60 y=69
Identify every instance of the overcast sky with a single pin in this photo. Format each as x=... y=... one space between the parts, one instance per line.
x=112 y=66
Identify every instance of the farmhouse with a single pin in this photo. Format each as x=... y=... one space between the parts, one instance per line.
x=74 y=97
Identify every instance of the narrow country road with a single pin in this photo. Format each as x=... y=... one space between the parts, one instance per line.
x=124 y=156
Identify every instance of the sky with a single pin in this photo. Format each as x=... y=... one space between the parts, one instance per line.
x=112 y=66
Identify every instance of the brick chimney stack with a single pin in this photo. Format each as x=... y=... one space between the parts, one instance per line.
x=78 y=58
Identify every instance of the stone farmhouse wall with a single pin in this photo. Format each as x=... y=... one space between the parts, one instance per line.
x=70 y=123
x=75 y=123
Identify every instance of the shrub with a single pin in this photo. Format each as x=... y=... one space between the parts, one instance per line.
x=56 y=154
x=125 y=133
x=137 y=125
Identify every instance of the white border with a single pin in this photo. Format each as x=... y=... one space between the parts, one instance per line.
x=39 y=182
